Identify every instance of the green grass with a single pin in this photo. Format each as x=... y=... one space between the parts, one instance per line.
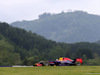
x=58 y=70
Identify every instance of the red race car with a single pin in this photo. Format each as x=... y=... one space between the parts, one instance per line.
x=63 y=61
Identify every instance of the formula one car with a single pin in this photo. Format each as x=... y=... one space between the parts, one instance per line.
x=63 y=61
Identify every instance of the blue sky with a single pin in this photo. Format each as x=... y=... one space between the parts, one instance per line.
x=18 y=10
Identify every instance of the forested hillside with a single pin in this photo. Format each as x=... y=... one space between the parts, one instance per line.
x=70 y=27
x=18 y=46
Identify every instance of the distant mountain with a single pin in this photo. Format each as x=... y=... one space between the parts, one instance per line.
x=70 y=27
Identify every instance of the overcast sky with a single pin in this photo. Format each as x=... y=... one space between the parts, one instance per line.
x=13 y=10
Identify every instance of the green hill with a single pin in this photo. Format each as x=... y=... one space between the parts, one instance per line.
x=18 y=46
x=70 y=27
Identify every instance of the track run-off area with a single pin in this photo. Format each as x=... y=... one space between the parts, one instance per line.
x=50 y=70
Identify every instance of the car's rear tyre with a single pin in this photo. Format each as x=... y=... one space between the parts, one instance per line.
x=78 y=63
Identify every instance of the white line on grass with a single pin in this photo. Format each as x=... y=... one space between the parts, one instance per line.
x=92 y=73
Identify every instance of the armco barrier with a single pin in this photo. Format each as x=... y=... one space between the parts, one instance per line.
x=6 y=66
x=16 y=66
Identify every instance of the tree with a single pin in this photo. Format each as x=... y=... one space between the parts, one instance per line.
x=7 y=54
x=57 y=52
x=84 y=51
x=95 y=56
x=84 y=59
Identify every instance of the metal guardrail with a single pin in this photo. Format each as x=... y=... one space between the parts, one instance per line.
x=16 y=66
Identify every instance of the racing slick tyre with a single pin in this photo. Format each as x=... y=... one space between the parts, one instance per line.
x=78 y=63
x=46 y=63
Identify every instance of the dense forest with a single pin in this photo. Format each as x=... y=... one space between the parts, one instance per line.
x=68 y=27
x=19 y=47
